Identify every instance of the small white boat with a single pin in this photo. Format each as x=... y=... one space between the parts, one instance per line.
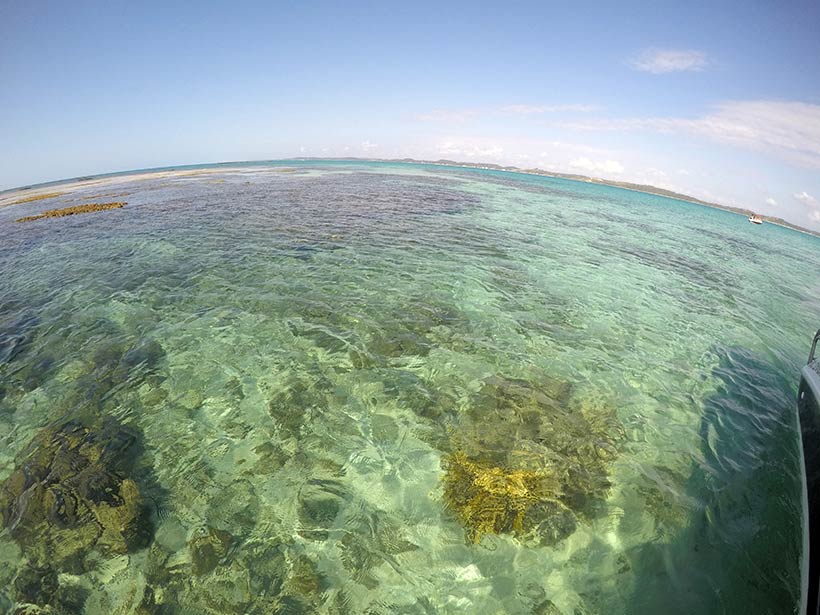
x=756 y=219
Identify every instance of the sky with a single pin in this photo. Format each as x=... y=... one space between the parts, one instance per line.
x=717 y=99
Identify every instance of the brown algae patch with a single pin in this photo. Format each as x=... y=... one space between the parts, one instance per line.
x=37 y=197
x=71 y=211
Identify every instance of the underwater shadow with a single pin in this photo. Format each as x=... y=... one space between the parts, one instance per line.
x=741 y=551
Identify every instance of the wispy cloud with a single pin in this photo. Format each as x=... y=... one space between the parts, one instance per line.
x=552 y=155
x=367 y=146
x=806 y=198
x=788 y=129
x=458 y=116
x=486 y=150
x=608 y=167
x=538 y=109
x=771 y=201
x=812 y=203
x=662 y=61
x=444 y=115
x=511 y=150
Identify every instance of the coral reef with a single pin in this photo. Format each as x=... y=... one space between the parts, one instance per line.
x=37 y=197
x=71 y=211
x=72 y=492
x=492 y=500
x=525 y=459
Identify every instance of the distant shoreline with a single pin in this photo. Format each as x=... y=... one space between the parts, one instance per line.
x=9 y=197
x=640 y=188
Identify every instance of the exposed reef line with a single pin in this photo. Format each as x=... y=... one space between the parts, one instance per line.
x=71 y=211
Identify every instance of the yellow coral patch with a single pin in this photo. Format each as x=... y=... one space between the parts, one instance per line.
x=491 y=500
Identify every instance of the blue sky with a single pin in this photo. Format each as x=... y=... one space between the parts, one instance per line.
x=720 y=100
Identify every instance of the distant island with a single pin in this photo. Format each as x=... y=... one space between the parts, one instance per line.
x=592 y=180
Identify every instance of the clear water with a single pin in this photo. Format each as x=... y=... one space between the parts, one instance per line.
x=298 y=355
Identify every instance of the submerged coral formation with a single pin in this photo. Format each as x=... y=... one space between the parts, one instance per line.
x=72 y=492
x=71 y=211
x=492 y=500
x=529 y=462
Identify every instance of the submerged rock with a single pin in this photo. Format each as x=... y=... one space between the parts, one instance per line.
x=256 y=576
x=416 y=394
x=294 y=397
x=71 y=492
x=36 y=585
x=37 y=589
x=372 y=540
x=209 y=548
x=414 y=330
x=320 y=502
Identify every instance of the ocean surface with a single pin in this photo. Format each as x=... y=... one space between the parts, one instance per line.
x=347 y=387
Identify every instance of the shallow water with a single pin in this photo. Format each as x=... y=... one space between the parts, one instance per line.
x=290 y=364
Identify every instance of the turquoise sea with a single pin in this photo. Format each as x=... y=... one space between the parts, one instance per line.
x=348 y=387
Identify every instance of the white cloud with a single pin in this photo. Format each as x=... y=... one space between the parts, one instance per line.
x=449 y=147
x=537 y=109
x=489 y=151
x=522 y=151
x=771 y=201
x=805 y=197
x=564 y=156
x=367 y=146
x=662 y=61
x=611 y=167
x=814 y=216
x=789 y=129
